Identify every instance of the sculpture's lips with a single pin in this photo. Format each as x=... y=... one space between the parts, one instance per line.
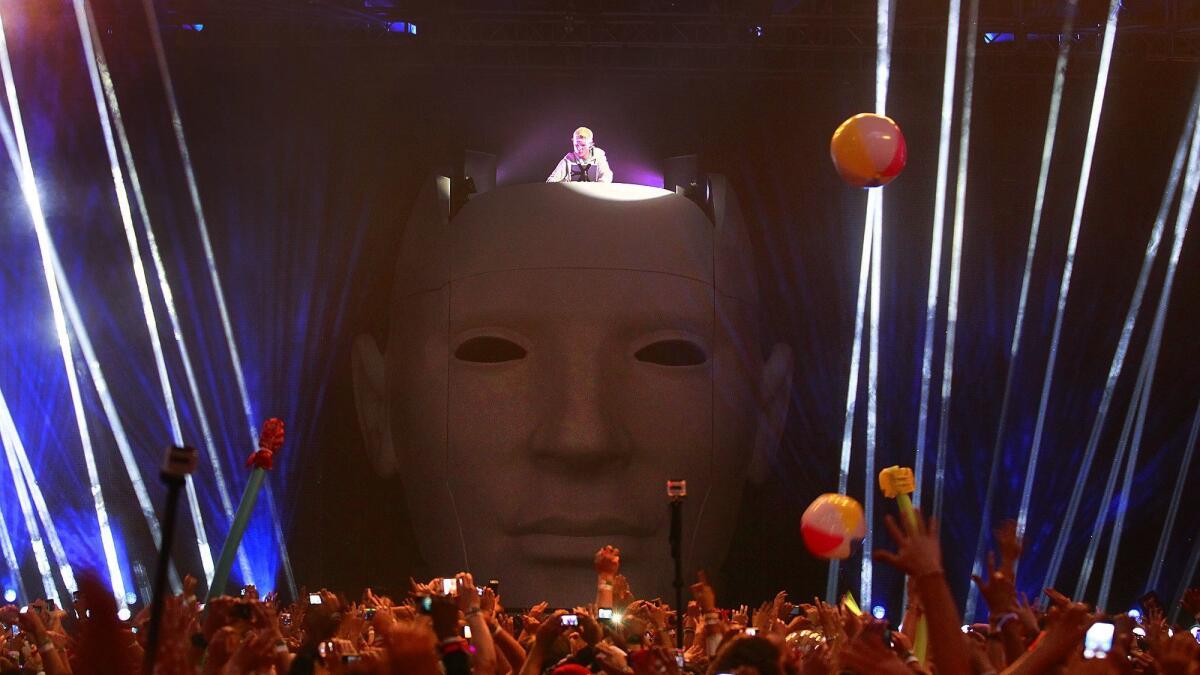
x=583 y=525
x=573 y=550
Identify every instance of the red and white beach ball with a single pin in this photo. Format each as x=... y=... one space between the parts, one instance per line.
x=831 y=525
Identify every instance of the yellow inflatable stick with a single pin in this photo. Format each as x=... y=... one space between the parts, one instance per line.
x=897 y=482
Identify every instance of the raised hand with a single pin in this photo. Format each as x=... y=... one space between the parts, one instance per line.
x=703 y=593
x=868 y=653
x=256 y=651
x=622 y=594
x=1190 y=602
x=468 y=596
x=1176 y=655
x=538 y=611
x=488 y=602
x=998 y=590
x=589 y=628
x=1155 y=624
x=607 y=562
x=1009 y=545
x=918 y=550
x=1056 y=599
x=549 y=630
x=740 y=616
x=1025 y=613
x=1066 y=631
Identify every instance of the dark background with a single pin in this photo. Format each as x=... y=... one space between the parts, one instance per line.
x=310 y=139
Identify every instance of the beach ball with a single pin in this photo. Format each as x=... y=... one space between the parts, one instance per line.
x=831 y=525
x=868 y=150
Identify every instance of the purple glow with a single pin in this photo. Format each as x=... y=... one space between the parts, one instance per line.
x=637 y=174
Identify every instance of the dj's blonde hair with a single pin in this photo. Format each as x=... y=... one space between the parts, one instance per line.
x=582 y=131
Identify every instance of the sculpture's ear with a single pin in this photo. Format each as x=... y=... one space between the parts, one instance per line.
x=370 y=396
x=776 y=389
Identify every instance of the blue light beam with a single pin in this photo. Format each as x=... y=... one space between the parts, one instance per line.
x=29 y=189
x=1160 y=551
x=215 y=277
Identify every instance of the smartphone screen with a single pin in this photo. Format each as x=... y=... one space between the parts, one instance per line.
x=467 y=632
x=1098 y=641
x=604 y=613
x=570 y=619
x=426 y=603
x=449 y=586
x=314 y=598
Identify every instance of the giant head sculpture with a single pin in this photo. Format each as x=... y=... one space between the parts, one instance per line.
x=555 y=354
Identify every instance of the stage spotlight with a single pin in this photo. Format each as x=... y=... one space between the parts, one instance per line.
x=1134 y=613
x=131 y=597
x=10 y=595
x=757 y=31
x=878 y=612
x=124 y=614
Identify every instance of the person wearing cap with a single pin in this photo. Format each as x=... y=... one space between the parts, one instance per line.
x=585 y=163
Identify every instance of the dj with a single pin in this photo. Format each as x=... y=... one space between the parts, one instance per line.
x=586 y=163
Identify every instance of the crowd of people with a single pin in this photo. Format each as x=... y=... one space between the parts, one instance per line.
x=459 y=627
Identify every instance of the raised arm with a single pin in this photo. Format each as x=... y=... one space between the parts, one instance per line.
x=919 y=554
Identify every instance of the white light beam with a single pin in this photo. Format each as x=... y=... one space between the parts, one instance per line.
x=29 y=189
x=1117 y=365
x=935 y=248
x=1150 y=359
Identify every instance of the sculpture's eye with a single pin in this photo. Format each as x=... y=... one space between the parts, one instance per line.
x=489 y=349
x=674 y=352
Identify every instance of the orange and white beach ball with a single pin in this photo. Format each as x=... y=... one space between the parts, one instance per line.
x=868 y=150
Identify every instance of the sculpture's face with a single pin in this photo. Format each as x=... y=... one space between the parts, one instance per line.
x=539 y=402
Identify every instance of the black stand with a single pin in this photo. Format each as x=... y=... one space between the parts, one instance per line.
x=677 y=554
x=174 y=481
